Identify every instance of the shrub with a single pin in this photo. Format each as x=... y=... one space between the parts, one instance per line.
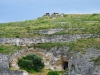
x=96 y=61
x=31 y=62
x=53 y=73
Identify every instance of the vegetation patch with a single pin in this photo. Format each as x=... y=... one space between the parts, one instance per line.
x=31 y=63
x=45 y=72
x=53 y=73
x=77 y=45
x=26 y=29
x=96 y=61
x=6 y=49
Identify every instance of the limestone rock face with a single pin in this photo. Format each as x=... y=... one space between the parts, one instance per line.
x=55 y=38
x=4 y=61
x=4 y=67
x=49 y=31
x=62 y=58
x=81 y=63
x=97 y=70
x=78 y=63
x=51 y=61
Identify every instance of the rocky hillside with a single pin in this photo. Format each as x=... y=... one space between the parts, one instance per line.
x=49 y=29
x=69 y=41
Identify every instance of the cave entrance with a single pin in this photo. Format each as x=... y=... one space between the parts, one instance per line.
x=65 y=65
x=61 y=64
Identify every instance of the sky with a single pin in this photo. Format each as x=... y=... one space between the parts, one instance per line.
x=20 y=10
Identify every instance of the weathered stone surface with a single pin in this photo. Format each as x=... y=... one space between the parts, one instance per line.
x=55 y=38
x=81 y=63
x=49 y=31
x=4 y=61
x=78 y=63
x=4 y=67
x=50 y=59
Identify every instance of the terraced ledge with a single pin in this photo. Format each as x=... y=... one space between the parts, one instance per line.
x=52 y=39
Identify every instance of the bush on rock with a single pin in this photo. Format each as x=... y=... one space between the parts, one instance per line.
x=31 y=62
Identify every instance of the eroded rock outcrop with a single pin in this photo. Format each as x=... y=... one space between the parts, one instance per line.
x=76 y=63
x=55 y=38
x=51 y=61
x=4 y=67
x=62 y=58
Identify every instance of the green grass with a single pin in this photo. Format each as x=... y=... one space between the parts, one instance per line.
x=43 y=72
x=77 y=45
x=96 y=61
x=6 y=49
x=26 y=29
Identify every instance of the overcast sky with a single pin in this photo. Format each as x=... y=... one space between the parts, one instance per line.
x=18 y=10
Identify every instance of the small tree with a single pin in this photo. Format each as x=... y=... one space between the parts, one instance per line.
x=31 y=62
x=53 y=73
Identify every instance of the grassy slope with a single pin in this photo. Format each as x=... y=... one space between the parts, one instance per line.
x=78 y=45
x=91 y=23
x=6 y=49
x=75 y=45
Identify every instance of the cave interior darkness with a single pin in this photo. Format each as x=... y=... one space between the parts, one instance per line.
x=65 y=65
